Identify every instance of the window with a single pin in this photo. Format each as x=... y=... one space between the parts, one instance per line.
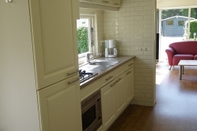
x=85 y=37
x=83 y=33
x=169 y=22
x=181 y=23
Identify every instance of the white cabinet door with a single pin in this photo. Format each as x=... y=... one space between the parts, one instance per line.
x=54 y=39
x=116 y=95
x=108 y=105
x=120 y=93
x=60 y=106
x=129 y=92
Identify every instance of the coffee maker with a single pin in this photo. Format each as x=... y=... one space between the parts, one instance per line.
x=110 y=48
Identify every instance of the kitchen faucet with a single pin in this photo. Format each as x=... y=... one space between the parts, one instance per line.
x=88 y=58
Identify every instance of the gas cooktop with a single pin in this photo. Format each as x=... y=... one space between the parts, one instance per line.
x=84 y=75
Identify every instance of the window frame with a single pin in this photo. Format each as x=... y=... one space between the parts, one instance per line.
x=91 y=36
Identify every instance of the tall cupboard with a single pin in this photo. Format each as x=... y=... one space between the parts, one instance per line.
x=39 y=69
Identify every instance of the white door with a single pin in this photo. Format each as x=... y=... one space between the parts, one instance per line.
x=54 y=39
x=60 y=108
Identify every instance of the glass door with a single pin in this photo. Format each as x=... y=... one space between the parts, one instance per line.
x=175 y=25
x=191 y=25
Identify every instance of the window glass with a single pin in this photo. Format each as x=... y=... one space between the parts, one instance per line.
x=85 y=37
x=193 y=24
x=180 y=23
x=169 y=22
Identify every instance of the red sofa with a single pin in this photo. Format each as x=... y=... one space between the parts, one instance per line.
x=184 y=50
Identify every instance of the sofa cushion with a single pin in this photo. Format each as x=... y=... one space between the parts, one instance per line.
x=195 y=57
x=179 y=57
x=185 y=47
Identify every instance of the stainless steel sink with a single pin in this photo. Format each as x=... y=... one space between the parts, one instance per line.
x=104 y=62
x=99 y=65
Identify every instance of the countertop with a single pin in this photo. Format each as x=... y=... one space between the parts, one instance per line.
x=102 y=71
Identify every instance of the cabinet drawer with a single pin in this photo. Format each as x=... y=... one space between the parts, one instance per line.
x=128 y=64
x=107 y=78
x=89 y=89
x=123 y=68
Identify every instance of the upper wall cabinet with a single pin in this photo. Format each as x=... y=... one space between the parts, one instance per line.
x=115 y=2
x=55 y=40
x=101 y=4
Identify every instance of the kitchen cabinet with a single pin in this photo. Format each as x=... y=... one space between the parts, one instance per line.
x=55 y=53
x=113 y=100
x=117 y=94
x=91 y=1
x=108 y=105
x=113 y=3
x=116 y=86
x=106 y=1
x=108 y=78
x=120 y=89
x=89 y=89
x=40 y=88
x=53 y=34
x=129 y=91
x=59 y=106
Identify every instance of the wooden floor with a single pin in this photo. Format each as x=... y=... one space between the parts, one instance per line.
x=176 y=107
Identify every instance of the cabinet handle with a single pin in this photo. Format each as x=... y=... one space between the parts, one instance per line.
x=113 y=84
x=106 y=2
x=73 y=81
x=109 y=78
x=69 y=74
x=128 y=72
x=118 y=80
x=130 y=64
x=116 y=4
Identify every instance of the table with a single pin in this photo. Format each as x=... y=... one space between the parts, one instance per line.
x=183 y=63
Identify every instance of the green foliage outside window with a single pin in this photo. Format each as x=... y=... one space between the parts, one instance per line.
x=179 y=12
x=193 y=28
x=82 y=35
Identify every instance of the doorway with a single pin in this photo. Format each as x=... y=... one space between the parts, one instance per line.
x=176 y=25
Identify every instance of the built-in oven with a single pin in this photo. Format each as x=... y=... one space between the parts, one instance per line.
x=91 y=112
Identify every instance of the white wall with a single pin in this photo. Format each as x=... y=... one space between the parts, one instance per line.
x=134 y=28
x=175 y=3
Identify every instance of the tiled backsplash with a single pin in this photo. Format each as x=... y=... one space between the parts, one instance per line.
x=133 y=26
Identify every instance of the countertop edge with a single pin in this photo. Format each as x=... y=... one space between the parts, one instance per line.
x=102 y=73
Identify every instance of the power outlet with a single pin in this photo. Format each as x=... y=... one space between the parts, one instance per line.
x=141 y=49
x=146 y=49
